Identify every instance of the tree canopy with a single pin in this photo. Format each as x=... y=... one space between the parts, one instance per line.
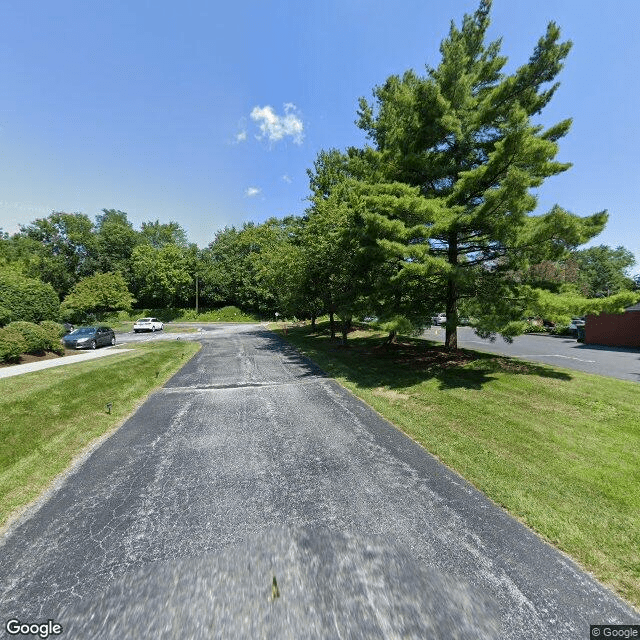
x=97 y=294
x=603 y=271
x=437 y=212
x=464 y=136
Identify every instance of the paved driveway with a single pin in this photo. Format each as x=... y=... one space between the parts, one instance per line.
x=252 y=497
x=615 y=362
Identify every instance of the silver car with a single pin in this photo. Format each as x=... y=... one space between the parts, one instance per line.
x=89 y=338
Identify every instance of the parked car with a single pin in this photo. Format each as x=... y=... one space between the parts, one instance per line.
x=577 y=327
x=439 y=319
x=577 y=322
x=148 y=324
x=89 y=338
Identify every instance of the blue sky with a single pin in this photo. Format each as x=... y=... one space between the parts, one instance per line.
x=210 y=113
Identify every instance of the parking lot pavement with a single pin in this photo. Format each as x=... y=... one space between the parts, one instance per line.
x=561 y=351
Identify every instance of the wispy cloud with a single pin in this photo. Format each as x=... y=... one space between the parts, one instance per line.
x=287 y=179
x=252 y=192
x=275 y=127
x=242 y=136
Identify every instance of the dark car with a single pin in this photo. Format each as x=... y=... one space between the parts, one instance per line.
x=89 y=338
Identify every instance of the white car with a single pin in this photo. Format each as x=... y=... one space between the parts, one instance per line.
x=440 y=319
x=147 y=324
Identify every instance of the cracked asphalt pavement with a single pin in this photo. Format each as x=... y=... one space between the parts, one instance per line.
x=253 y=497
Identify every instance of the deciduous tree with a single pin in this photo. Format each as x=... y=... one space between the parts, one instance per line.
x=159 y=234
x=115 y=241
x=97 y=294
x=603 y=271
x=162 y=277
x=64 y=247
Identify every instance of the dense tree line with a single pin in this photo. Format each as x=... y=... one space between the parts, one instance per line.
x=435 y=214
x=68 y=251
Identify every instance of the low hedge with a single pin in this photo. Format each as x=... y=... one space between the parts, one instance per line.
x=55 y=329
x=27 y=299
x=38 y=339
x=533 y=327
x=562 y=330
x=12 y=344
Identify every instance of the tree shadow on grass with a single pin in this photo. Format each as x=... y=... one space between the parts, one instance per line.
x=370 y=364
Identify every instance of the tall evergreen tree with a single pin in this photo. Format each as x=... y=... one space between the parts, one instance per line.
x=464 y=136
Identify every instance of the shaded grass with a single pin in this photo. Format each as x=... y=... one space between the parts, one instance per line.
x=559 y=449
x=48 y=417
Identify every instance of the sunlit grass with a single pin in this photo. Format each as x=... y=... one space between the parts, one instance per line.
x=48 y=417
x=557 y=448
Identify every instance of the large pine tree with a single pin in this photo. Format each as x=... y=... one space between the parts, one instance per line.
x=464 y=135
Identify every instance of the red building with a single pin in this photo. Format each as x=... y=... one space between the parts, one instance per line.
x=614 y=329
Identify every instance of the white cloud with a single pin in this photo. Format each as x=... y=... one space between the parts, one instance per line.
x=287 y=179
x=252 y=192
x=242 y=136
x=275 y=127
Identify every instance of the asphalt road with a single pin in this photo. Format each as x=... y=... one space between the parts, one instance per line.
x=615 y=362
x=252 y=497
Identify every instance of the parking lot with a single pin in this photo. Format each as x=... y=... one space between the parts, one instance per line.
x=172 y=332
x=562 y=351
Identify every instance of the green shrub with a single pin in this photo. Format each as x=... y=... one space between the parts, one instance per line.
x=173 y=314
x=36 y=338
x=188 y=315
x=54 y=331
x=562 y=330
x=54 y=328
x=26 y=299
x=226 y=314
x=5 y=316
x=12 y=344
x=534 y=327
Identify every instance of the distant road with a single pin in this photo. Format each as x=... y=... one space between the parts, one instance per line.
x=615 y=362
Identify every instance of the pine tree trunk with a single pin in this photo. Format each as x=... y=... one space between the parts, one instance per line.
x=451 y=334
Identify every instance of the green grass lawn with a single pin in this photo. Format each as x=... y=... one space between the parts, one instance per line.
x=48 y=417
x=126 y=326
x=559 y=449
x=121 y=320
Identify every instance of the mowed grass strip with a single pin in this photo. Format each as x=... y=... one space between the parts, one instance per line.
x=48 y=417
x=559 y=449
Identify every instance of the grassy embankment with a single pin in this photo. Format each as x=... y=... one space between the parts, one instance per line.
x=123 y=321
x=48 y=417
x=559 y=449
